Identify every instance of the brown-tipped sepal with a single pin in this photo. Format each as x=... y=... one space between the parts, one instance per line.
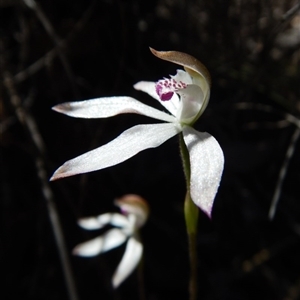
x=190 y=63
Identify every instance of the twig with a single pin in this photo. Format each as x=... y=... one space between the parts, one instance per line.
x=289 y=153
x=57 y=41
x=29 y=123
x=40 y=63
x=284 y=21
x=35 y=67
x=291 y=12
x=267 y=108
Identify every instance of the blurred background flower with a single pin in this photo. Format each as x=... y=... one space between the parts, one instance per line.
x=135 y=212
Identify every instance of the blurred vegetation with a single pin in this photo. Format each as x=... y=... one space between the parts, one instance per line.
x=58 y=51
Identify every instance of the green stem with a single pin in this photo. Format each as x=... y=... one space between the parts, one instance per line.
x=191 y=213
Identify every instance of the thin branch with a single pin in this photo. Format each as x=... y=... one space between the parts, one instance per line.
x=291 y=12
x=289 y=153
x=35 y=67
x=60 y=44
x=269 y=109
x=56 y=40
x=284 y=21
x=29 y=123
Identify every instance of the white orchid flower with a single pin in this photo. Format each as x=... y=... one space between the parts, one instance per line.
x=135 y=212
x=185 y=96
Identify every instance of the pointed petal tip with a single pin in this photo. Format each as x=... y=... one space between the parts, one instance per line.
x=208 y=213
x=130 y=260
x=61 y=172
x=61 y=108
x=52 y=178
x=159 y=54
x=154 y=52
x=115 y=284
x=56 y=176
x=56 y=108
x=79 y=250
x=205 y=209
x=75 y=252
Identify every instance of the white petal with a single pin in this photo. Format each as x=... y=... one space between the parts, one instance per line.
x=182 y=76
x=130 y=259
x=207 y=162
x=108 y=107
x=191 y=101
x=126 y=145
x=109 y=240
x=205 y=87
x=149 y=88
x=100 y=221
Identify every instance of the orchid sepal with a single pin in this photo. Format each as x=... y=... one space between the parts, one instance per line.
x=206 y=167
x=130 y=260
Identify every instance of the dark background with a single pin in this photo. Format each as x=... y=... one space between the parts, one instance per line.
x=59 y=51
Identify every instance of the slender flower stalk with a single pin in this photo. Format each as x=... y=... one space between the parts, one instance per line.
x=191 y=214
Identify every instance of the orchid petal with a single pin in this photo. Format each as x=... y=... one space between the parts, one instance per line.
x=109 y=240
x=126 y=145
x=182 y=76
x=108 y=107
x=191 y=102
x=100 y=221
x=149 y=88
x=207 y=162
x=130 y=259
